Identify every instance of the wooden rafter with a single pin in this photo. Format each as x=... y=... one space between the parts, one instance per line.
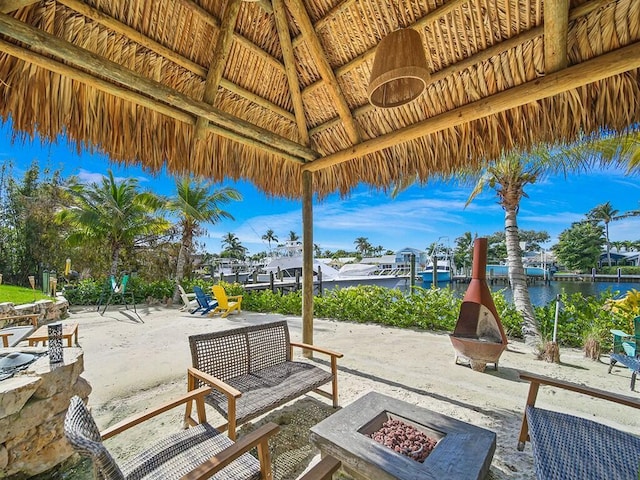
x=43 y=42
x=220 y=53
x=130 y=96
x=122 y=29
x=317 y=53
x=599 y=68
x=556 y=27
x=213 y=21
x=7 y=6
x=481 y=56
x=324 y=20
x=290 y=67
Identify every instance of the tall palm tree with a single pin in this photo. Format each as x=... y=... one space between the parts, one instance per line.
x=508 y=176
x=604 y=213
x=196 y=204
x=270 y=236
x=112 y=212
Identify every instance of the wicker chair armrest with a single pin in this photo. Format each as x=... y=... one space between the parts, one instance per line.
x=214 y=382
x=317 y=349
x=258 y=437
x=594 y=392
x=197 y=395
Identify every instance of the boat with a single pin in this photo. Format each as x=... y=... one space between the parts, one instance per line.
x=287 y=264
x=443 y=268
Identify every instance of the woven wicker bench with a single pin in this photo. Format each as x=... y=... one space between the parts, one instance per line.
x=252 y=372
x=566 y=447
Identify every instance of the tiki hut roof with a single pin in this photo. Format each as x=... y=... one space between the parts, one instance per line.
x=266 y=90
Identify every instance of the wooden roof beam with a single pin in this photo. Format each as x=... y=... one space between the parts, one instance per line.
x=306 y=27
x=7 y=6
x=125 y=30
x=130 y=96
x=44 y=42
x=556 y=27
x=605 y=66
x=213 y=21
x=290 y=66
x=326 y=19
x=219 y=60
x=483 y=55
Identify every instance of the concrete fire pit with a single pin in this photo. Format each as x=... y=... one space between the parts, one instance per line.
x=463 y=452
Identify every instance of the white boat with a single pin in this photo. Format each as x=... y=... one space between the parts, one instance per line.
x=443 y=269
x=287 y=264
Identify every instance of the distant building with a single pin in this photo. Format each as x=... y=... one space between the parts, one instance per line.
x=619 y=259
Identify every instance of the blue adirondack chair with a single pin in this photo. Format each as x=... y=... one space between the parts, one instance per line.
x=205 y=302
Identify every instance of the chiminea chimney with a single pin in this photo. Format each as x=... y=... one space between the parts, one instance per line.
x=478 y=336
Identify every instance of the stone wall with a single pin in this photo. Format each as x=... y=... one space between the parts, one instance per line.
x=33 y=404
x=47 y=309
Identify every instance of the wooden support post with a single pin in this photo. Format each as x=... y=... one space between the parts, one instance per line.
x=307 y=261
x=273 y=289
x=412 y=273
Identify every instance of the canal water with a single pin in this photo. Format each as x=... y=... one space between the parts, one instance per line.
x=543 y=294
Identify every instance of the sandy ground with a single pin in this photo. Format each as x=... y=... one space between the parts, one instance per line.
x=133 y=363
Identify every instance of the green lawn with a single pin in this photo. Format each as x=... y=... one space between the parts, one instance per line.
x=20 y=295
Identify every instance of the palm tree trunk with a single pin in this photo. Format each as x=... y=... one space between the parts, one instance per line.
x=606 y=229
x=115 y=255
x=185 y=249
x=518 y=279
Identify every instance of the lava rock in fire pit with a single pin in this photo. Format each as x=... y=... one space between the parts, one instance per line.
x=405 y=439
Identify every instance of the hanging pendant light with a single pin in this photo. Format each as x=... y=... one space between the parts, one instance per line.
x=400 y=73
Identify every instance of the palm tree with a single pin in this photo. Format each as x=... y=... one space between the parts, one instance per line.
x=604 y=213
x=195 y=204
x=270 y=237
x=293 y=236
x=463 y=254
x=362 y=245
x=233 y=247
x=508 y=176
x=112 y=212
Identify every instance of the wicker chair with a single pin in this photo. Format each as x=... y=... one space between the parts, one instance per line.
x=194 y=453
x=569 y=447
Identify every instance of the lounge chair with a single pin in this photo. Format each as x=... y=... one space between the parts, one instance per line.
x=194 y=453
x=226 y=304
x=570 y=447
x=199 y=452
x=626 y=350
x=205 y=302
x=188 y=299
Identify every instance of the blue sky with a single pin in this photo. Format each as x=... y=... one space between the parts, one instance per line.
x=416 y=218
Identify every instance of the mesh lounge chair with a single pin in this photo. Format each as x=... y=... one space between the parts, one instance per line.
x=196 y=453
x=205 y=303
x=226 y=304
x=569 y=447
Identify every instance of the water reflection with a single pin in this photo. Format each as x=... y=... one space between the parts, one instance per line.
x=543 y=294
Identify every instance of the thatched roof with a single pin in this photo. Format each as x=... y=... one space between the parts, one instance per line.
x=277 y=88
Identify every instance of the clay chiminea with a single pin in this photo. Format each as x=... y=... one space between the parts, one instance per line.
x=478 y=337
